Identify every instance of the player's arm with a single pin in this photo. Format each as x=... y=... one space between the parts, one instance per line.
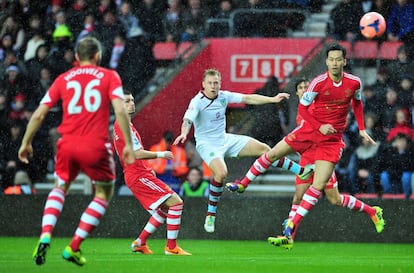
x=260 y=99
x=185 y=129
x=144 y=154
x=303 y=110
x=358 y=109
x=123 y=121
x=26 y=149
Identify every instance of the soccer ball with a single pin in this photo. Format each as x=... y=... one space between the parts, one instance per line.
x=372 y=25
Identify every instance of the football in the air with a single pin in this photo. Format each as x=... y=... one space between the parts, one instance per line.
x=372 y=25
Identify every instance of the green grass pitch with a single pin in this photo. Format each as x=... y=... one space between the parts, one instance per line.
x=114 y=256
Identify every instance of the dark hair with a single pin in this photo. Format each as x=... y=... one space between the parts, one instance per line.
x=87 y=48
x=334 y=47
x=197 y=169
x=299 y=81
x=127 y=92
x=168 y=136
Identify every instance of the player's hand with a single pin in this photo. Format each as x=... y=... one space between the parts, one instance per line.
x=281 y=96
x=25 y=152
x=168 y=155
x=367 y=137
x=327 y=129
x=180 y=139
x=128 y=155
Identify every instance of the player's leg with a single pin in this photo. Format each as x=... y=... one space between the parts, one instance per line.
x=175 y=209
x=89 y=221
x=52 y=209
x=263 y=163
x=284 y=241
x=155 y=221
x=301 y=188
x=64 y=171
x=163 y=203
x=252 y=148
x=323 y=171
x=255 y=148
x=306 y=158
x=353 y=203
x=219 y=169
x=286 y=164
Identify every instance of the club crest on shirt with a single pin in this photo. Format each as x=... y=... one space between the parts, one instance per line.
x=326 y=93
x=211 y=154
x=348 y=92
x=223 y=102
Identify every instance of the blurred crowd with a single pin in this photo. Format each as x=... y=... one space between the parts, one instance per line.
x=389 y=119
x=38 y=40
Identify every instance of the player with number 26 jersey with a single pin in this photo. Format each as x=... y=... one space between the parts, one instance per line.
x=86 y=93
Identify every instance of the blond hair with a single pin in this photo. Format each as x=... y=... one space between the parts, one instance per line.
x=211 y=72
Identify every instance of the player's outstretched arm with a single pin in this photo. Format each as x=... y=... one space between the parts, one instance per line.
x=144 y=154
x=260 y=99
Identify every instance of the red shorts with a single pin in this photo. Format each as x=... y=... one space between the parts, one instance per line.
x=92 y=156
x=308 y=157
x=305 y=137
x=150 y=191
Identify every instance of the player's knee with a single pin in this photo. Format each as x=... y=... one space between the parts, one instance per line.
x=265 y=148
x=174 y=200
x=220 y=176
x=104 y=190
x=273 y=155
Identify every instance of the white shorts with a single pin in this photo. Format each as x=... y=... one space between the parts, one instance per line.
x=230 y=147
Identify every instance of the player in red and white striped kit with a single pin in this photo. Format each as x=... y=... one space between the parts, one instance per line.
x=86 y=93
x=331 y=188
x=155 y=196
x=324 y=108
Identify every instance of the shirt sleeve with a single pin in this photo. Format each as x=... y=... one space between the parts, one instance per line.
x=358 y=109
x=306 y=100
x=115 y=86
x=192 y=111
x=233 y=97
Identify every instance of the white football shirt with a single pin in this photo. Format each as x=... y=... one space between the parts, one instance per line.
x=209 y=116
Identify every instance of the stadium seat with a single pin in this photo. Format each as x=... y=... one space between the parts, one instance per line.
x=388 y=50
x=361 y=50
x=168 y=51
x=366 y=50
x=165 y=50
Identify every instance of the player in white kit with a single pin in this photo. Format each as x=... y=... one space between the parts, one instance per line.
x=207 y=112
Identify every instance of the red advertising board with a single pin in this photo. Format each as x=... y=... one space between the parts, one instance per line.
x=246 y=64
